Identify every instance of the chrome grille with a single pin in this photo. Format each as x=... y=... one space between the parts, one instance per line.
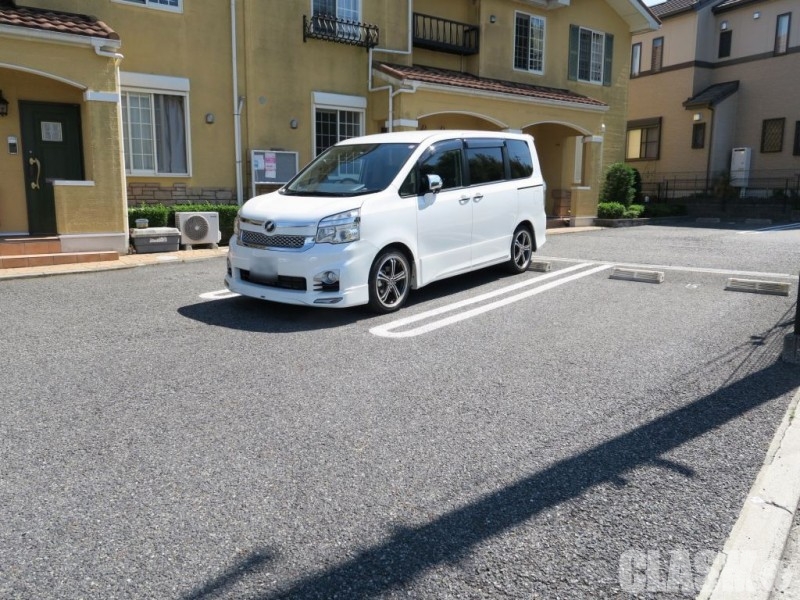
x=255 y=239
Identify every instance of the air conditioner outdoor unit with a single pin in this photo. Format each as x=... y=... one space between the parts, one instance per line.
x=198 y=228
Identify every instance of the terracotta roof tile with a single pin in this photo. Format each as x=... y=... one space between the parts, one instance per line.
x=465 y=80
x=55 y=21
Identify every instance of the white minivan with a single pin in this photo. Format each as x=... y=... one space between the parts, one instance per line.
x=373 y=217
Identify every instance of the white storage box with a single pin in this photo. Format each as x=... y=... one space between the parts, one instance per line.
x=155 y=239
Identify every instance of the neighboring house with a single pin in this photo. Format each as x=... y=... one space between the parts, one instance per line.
x=712 y=96
x=175 y=101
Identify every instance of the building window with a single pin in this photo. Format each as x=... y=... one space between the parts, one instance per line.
x=782 y=33
x=337 y=17
x=725 y=38
x=172 y=5
x=658 y=55
x=772 y=135
x=347 y=10
x=590 y=55
x=529 y=43
x=796 y=150
x=636 y=59
x=699 y=135
x=643 y=139
x=333 y=126
x=154 y=133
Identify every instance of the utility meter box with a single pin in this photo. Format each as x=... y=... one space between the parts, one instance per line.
x=740 y=166
x=155 y=239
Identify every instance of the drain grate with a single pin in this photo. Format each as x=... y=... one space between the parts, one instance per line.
x=755 y=286
x=637 y=275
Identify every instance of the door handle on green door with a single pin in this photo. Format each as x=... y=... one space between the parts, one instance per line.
x=34 y=162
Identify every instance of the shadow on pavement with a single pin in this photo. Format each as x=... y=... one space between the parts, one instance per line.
x=412 y=551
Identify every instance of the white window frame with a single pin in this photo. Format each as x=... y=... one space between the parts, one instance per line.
x=337 y=102
x=594 y=57
x=636 y=59
x=154 y=4
x=531 y=18
x=342 y=8
x=146 y=84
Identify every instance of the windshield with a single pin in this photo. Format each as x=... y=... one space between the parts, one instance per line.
x=351 y=170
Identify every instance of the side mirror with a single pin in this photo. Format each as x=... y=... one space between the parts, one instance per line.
x=434 y=183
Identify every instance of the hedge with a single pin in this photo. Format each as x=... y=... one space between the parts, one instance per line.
x=164 y=216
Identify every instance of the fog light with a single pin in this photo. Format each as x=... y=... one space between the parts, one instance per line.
x=327 y=277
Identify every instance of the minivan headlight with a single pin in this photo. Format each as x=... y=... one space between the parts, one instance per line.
x=340 y=228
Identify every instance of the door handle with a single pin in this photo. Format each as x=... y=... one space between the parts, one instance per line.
x=477 y=197
x=34 y=162
x=463 y=200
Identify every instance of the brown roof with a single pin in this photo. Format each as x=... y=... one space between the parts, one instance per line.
x=712 y=95
x=54 y=21
x=465 y=80
x=675 y=7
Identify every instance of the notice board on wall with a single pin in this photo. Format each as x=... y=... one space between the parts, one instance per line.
x=272 y=167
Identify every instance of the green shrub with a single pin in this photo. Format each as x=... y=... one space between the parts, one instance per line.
x=610 y=210
x=164 y=216
x=619 y=184
x=637 y=185
x=156 y=215
x=634 y=211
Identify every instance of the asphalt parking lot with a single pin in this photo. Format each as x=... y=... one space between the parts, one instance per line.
x=549 y=435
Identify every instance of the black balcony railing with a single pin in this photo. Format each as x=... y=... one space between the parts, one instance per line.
x=342 y=31
x=444 y=35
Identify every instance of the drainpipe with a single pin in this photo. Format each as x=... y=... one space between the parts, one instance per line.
x=238 y=101
x=710 y=147
x=390 y=88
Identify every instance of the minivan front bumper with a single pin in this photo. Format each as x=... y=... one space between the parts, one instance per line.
x=289 y=276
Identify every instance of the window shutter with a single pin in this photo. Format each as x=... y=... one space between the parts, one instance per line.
x=574 y=45
x=608 y=59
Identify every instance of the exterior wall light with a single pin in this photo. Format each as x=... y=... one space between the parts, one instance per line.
x=492 y=19
x=293 y=123
x=723 y=26
x=697 y=117
x=3 y=105
x=210 y=118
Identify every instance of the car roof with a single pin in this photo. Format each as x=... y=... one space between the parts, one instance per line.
x=417 y=137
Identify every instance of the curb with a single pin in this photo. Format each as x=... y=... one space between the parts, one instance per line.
x=128 y=261
x=747 y=567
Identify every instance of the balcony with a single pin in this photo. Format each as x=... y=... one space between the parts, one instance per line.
x=341 y=31
x=444 y=35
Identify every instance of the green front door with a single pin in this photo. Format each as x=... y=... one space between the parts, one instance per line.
x=52 y=149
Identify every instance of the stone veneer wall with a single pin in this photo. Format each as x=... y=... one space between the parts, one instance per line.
x=177 y=193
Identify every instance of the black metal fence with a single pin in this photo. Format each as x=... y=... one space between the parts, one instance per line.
x=775 y=184
x=764 y=194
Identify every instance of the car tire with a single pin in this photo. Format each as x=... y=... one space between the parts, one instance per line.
x=389 y=282
x=521 y=250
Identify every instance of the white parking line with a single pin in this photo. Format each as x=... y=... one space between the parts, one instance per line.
x=709 y=270
x=386 y=330
x=218 y=295
x=785 y=227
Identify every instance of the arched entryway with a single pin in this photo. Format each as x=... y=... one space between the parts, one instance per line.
x=459 y=120
x=562 y=156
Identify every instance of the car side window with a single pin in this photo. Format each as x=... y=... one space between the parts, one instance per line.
x=485 y=164
x=519 y=159
x=443 y=159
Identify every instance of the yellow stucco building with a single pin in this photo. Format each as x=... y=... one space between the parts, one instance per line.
x=172 y=101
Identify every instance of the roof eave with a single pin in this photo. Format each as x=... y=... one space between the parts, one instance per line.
x=639 y=17
x=59 y=38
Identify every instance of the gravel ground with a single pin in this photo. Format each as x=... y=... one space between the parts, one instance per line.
x=594 y=441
